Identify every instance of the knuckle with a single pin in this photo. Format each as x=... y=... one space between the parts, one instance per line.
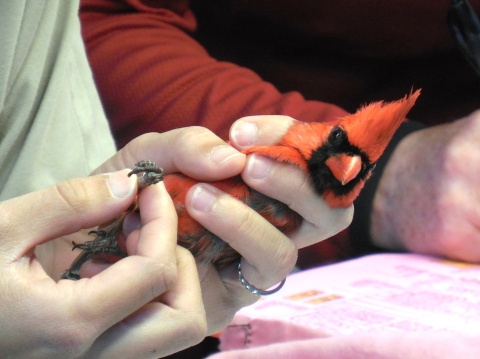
x=185 y=257
x=135 y=150
x=287 y=257
x=192 y=134
x=72 y=194
x=272 y=128
x=283 y=260
x=286 y=122
x=157 y=276
x=163 y=275
x=301 y=189
x=246 y=221
x=191 y=145
x=288 y=184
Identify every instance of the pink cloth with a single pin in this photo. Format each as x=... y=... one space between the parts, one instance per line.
x=405 y=345
x=242 y=333
x=387 y=306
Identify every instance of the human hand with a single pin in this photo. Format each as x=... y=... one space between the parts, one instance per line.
x=284 y=182
x=145 y=306
x=268 y=255
x=428 y=198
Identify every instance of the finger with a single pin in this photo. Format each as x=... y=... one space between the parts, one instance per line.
x=174 y=323
x=62 y=209
x=194 y=151
x=259 y=130
x=271 y=178
x=186 y=292
x=158 y=216
x=271 y=253
x=134 y=281
x=131 y=223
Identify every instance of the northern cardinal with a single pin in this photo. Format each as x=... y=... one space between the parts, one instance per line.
x=339 y=157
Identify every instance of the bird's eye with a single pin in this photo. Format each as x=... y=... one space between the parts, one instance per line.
x=336 y=135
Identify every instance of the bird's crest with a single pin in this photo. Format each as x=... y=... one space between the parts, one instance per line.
x=372 y=126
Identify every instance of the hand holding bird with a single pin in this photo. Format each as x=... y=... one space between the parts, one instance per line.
x=339 y=157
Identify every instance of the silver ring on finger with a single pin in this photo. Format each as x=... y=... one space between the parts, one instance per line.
x=254 y=290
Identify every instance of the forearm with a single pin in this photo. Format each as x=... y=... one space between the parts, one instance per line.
x=153 y=76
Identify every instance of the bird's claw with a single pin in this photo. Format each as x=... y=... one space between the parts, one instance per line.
x=106 y=241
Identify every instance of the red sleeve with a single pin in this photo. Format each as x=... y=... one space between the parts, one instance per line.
x=153 y=76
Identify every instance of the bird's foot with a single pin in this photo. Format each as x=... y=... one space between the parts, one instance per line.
x=106 y=236
x=152 y=174
x=104 y=243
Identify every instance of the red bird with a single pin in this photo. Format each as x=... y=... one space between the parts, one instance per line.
x=339 y=157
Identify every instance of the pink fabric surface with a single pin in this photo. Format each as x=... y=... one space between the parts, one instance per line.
x=244 y=333
x=366 y=346
x=387 y=306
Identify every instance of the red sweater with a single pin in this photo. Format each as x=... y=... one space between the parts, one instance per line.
x=154 y=76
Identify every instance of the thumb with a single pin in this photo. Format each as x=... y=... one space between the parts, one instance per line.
x=62 y=209
x=262 y=130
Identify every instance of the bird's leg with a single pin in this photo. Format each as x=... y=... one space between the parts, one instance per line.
x=105 y=241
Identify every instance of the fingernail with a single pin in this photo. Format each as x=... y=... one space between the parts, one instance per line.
x=258 y=167
x=120 y=184
x=244 y=133
x=222 y=154
x=131 y=222
x=203 y=198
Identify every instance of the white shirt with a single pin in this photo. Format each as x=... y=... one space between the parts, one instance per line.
x=52 y=125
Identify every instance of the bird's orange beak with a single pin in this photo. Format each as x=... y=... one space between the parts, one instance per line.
x=344 y=168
